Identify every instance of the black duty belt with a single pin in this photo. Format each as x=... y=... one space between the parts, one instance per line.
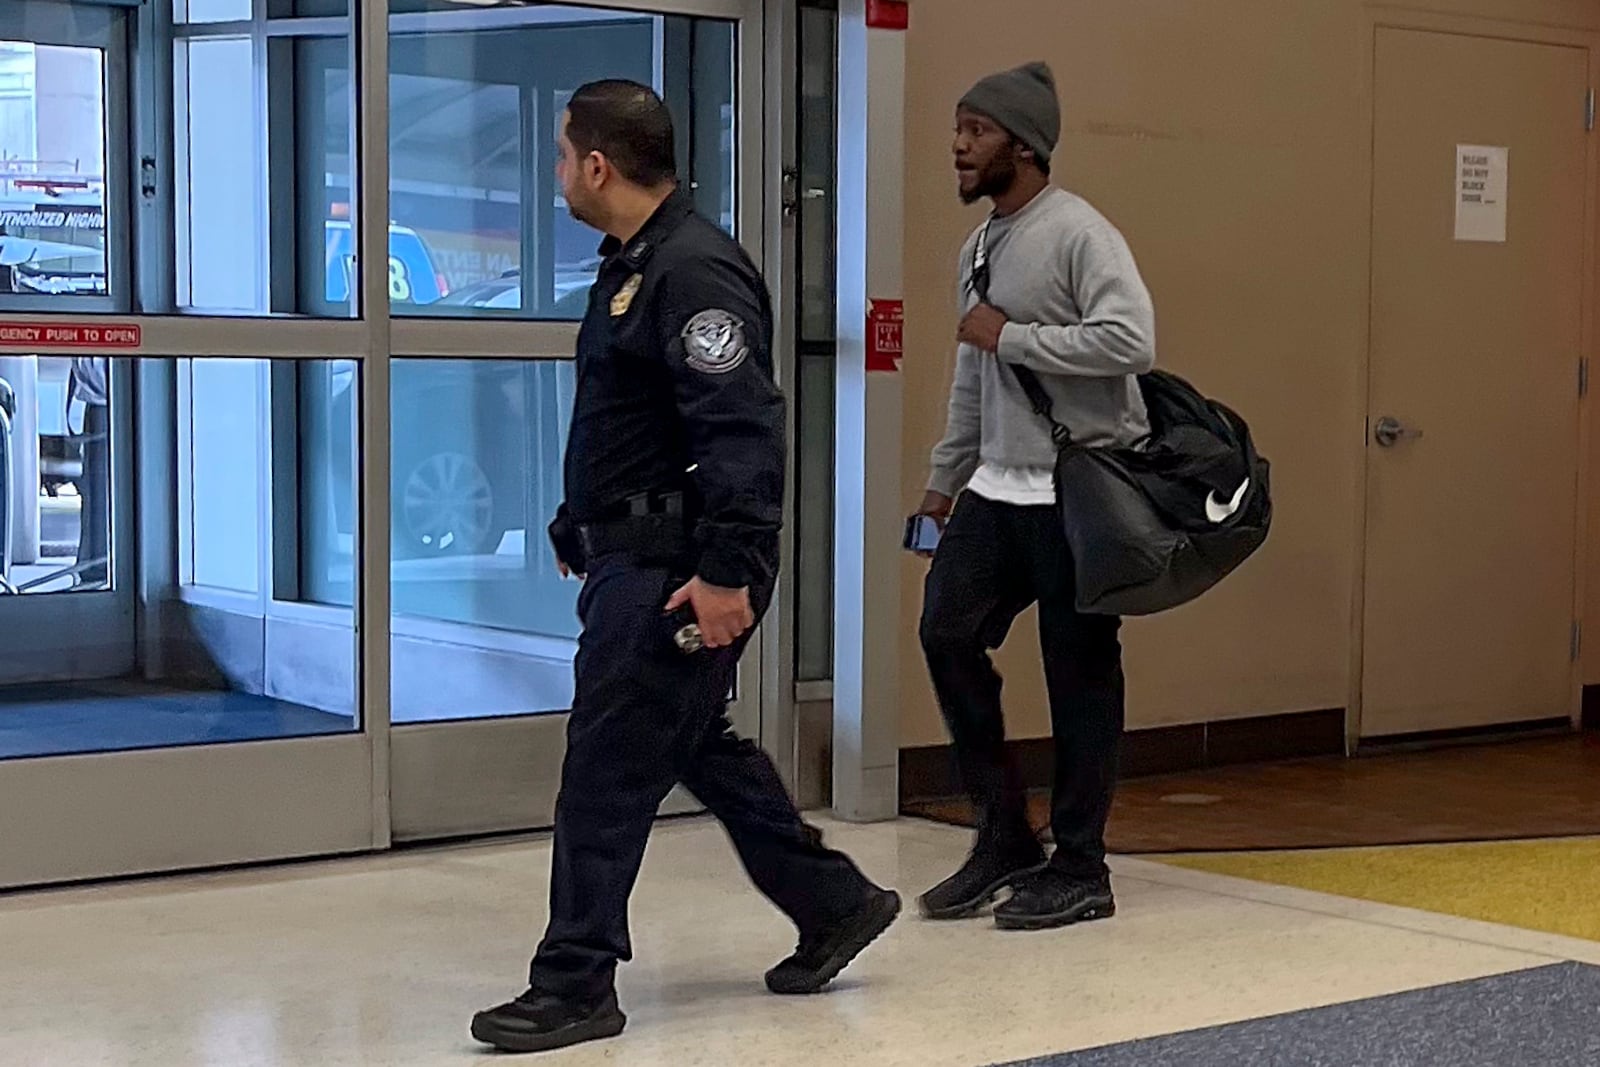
x=646 y=505
x=650 y=527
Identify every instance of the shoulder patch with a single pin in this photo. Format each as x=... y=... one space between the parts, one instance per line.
x=714 y=342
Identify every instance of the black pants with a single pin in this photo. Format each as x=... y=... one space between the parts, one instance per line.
x=646 y=717
x=94 y=495
x=993 y=562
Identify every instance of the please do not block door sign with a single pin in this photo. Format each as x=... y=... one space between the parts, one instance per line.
x=1481 y=185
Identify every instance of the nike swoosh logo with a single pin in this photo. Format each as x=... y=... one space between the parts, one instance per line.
x=1218 y=511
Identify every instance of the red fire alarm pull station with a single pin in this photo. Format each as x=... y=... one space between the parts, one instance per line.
x=888 y=15
x=885 y=324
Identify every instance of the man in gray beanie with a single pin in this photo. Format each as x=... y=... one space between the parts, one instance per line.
x=1049 y=290
x=1023 y=102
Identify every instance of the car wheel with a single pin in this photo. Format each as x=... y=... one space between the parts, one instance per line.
x=447 y=507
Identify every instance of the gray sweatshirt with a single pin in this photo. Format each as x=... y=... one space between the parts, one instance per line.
x=1081 y=318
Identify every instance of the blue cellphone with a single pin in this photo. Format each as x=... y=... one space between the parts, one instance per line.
x=922 y=533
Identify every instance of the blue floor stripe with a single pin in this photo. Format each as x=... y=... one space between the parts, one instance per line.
x=1548 y=1016
x=54 y=720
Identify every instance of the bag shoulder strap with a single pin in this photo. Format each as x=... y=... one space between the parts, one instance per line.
x=1031 y=385
x=1042 y=405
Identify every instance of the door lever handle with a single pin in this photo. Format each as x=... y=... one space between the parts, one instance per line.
x=1390 y=431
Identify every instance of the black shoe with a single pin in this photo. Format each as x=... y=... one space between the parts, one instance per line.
x=821 y=956
x=990 y=868
x=1050 y=898
x=539 y=1022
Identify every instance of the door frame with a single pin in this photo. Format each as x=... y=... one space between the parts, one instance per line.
x=1373 y=21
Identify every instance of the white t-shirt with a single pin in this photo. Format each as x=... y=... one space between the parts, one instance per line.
x=1025 y=486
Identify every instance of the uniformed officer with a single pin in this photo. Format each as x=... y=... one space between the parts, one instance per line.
x=674 y=483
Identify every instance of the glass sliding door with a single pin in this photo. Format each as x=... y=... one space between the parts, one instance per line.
x=65 y=574
x=170 y=697
x=484 y=628
x=288 y=304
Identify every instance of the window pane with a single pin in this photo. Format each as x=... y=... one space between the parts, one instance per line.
x=231 y=620
x=814 y=462
x=483 y=622
x=211 y=11
x=457 y=151
x=224 y=201
x=814 y=390
x=478 y=224
x=222 y=401
x=818 y=163
x=55 y=474
x=476 y=478
x=213 y=657
x=263 y=205
x=52 y=170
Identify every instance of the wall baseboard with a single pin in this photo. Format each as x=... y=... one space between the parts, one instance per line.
x=930 y=773
x=1496 y=733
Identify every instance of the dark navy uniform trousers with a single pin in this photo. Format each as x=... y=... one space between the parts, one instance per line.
x=645 y=718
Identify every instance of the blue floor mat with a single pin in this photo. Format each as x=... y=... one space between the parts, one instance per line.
x=84 y=717
x=1546 y=1016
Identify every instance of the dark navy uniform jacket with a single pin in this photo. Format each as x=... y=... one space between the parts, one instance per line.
x=676 y=393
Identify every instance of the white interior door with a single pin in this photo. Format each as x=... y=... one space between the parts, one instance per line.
x=1478 y=279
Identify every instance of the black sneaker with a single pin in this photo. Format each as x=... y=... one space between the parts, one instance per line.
x=989 y=869
x=820 y=957
x=539 y=1022
x=1050 y=898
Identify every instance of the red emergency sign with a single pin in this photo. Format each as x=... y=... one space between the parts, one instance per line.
x=47 y=335
x=885 y=324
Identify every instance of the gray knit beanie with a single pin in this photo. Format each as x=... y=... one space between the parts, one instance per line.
x=1024 y=102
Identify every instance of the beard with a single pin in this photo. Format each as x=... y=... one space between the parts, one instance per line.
x=577 y=211
x=995 y=179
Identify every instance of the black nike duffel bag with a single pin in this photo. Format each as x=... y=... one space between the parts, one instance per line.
x=1155 y=526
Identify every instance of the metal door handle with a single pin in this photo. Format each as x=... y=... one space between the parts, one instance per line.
x=1390 y=431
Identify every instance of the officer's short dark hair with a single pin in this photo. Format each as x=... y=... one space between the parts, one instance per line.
x=628 y=124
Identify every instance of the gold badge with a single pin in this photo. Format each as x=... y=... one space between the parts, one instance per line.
x=624 y=298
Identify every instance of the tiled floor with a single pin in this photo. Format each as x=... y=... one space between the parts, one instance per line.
x=382 y=960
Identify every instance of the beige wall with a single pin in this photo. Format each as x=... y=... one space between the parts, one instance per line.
x=1227 y=141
